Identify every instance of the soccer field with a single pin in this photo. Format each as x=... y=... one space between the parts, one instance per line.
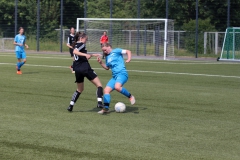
x=184 y=110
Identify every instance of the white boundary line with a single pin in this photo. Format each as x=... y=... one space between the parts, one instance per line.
x=37 y=57
x=134 y=61
x=190 y=74
x=139 y=71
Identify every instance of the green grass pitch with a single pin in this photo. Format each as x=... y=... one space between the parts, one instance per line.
x=184 y=110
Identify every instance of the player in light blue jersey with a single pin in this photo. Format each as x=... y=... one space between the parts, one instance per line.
x=19 y=42
x=115 y=62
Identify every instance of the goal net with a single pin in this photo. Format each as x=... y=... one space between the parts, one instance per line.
x=141 y=36
x=6 y=44
x=231 y=45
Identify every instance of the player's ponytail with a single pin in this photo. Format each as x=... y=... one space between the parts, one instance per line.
x=76 y=38
x=83 y=35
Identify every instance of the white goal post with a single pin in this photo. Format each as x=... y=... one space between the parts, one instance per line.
x=141 y=36
x=7 y=44
x=231 y=45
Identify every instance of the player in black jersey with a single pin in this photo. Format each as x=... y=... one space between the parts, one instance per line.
x=83 y=69
x=70 y=42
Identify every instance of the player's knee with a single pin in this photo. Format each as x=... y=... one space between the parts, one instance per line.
x=118 y=88
x=24 y=60
x=106 y=91
x=80 y=90
x=98 y=84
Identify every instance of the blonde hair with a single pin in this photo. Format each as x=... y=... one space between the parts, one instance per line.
x=106 y=45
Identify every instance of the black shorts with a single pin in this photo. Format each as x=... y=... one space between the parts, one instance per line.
x=71 y=52
x=84 y=70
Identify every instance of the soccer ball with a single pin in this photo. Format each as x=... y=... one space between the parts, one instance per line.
x=120 y=107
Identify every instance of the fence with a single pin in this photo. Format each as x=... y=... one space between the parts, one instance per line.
x=47 y=22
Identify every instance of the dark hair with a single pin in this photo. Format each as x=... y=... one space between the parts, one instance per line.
x=106 y=45
x=20 y=28
x=72 y=27
x=77 y=37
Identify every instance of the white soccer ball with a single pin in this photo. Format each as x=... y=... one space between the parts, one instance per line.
x=120 y=107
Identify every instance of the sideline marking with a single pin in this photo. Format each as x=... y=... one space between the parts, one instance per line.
x=139 y=71
x=184 y=62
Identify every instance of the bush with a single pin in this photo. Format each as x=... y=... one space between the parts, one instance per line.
x=190 y=27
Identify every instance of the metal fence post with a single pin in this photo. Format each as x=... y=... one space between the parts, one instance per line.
x=38 y=23
x=85 y=15
x=110 y=30
x=138 y=26
x=166 y=9
x=205 y=42
x=61 y=29
x=178 y=40
x=228 y=13
x=16 y=10
x=196 y=38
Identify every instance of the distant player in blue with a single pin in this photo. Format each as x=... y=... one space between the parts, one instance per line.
x=115 y=62
x=19 y=42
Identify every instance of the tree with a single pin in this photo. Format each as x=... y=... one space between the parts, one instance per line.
x=217 y=11
x=121 y=9
x=7 y=18
x=72 y=10
x=203 y=26
x=49 y=16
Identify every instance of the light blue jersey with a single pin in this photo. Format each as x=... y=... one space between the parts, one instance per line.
x=20 y=39
x=116 y=63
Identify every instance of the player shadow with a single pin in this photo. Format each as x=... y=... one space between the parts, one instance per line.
x=31 y=72
x=129 y=109
x=132 y=109
x=91 y=110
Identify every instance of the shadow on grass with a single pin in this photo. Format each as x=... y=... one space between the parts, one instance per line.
x=130 y=109
x=31 y=72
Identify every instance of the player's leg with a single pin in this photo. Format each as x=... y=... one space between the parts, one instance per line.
x=120 y=81
x=80 y=88
x=92 y=76
x=96 y=81
x=18 y=56
x=24 y=59
x=107 y=97
x=75 y=96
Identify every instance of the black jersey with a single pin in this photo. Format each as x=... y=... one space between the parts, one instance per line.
x=81 y=47
x=70 y=39
x=81 y=66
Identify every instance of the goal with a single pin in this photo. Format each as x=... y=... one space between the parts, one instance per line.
x=141 y=36
x=231 y=45
x=6 y=44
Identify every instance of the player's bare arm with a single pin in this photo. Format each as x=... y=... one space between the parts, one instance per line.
x=88 y=56
x=96 y=55
x=69 y=46
x=26 y=45
x=101 y=63
x=129 y=55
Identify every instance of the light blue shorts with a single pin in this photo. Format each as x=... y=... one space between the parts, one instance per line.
x=21 y=55
x=121 y=78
